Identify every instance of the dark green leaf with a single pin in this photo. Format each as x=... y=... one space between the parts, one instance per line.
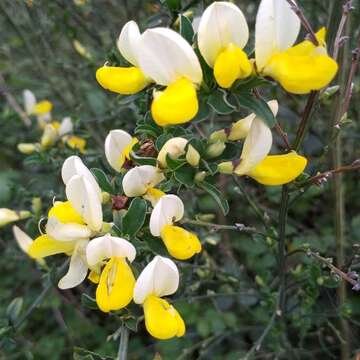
x=14 y=309
x=186 y=29
x=173 y=5
x=216 y=195
x=219 y=102
x=174 y=164
x=245 y=86
x=258 y=106
x=141 y=160
x=103 y=180
x=185 y=176
x=88 y=302
x=83 y=354
x=134 y=219
x=161 y=140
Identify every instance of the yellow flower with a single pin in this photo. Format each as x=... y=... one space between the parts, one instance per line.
x=159 y=278
x=299 y=69
x=180 y=243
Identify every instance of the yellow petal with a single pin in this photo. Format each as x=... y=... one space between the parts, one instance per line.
x=65 y=213
x=279 y=169
x=153 y=195
x=177 y=104
x=44 y=246
x=94 y=276
x=126 y=152
x=122 y=80
x=42 y=107
x=231 y=64
x=180 y=243
x=116 y=285
x=75 y=142
x=303 y=67
x=162 y=320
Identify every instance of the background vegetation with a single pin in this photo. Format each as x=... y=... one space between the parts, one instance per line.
x=228 y=295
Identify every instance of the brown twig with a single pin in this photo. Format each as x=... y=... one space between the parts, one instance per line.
x=12 y=102
x=304 y=21
x=339 y=39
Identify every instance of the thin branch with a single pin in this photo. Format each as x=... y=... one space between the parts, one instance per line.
x=123 y=344
x=12 y=102
x=304 y=21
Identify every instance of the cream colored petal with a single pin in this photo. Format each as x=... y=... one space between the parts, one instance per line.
x=221 y=24
x=128 y=42
x=78 y=268
x=256 y=146
x=168 y=210
x=29 y=101
x=115 y=143
x=141 y=178
x=66 y=232
x=7 y=216
x=66 y=126
x=24 y=240
x=160 y=277
x=85 y=200
x=175 y=147
x=73 y=165
x=108 y=246
x=165 y=56
x=277 y=27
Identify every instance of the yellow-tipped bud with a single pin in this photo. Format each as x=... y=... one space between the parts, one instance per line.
x=26 y=149
x=219 y=135
x=24 y=214
x=192 y=156
x=226 y=167
x=200 y=176
x=216 y=149
x=36 y=205
x=105 y=197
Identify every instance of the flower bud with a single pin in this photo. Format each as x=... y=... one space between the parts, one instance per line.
x=175 y=147
x=36 y=205
x=49 y=136
x=219 y=135
x=105 y=197
x=226 y=167
x=192 y=156
x=240 y=129
x=26 y=149
x=216 y=149
x=200 y=176
x=8 y=216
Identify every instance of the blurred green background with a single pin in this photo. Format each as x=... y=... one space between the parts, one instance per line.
x=228 y=294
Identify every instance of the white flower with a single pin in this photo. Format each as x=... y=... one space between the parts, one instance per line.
x=160 y=278
x=138 y=180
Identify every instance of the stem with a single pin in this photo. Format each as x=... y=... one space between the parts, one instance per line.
x=308 y=111
x=283 y=214
x=123 y=345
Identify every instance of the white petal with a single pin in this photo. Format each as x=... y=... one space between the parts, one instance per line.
x=73 y=165
x=85 y=200
x=24 y=240
x=128 y=42
x=165 y=56
x=168 y=210
x=221 y=24
x=160 y=277
x=29 y=101
x=141 y=178
x=175 y=147
x=66 y=232
x=115 y=143
x=7 y=216
x=66 y=126
x=277 y=27
x=108 y=246
x=78 y=269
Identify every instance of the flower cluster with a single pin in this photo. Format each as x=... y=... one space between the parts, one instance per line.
x=52 y=130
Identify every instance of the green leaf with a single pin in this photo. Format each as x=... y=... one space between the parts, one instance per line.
x=258 y=106
x=161 y=140
x=14 y=309
x=142 y=160
x=174 y=164
x=216 y=195
x=219 y=102
x=245 y=86
x=185 y=176
x=186 y=29
x=103 y=180
x=134 y=219
x=83 y=354
x=88 y=302
x=173 y=5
